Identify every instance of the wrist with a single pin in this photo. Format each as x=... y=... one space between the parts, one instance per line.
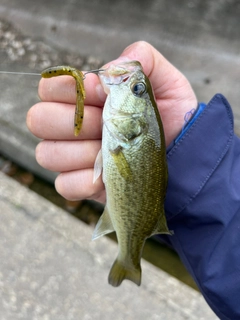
x=189 y=119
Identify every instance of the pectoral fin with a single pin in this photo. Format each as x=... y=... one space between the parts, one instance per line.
x=121 y=163
x=104 y=225
x=97 y=166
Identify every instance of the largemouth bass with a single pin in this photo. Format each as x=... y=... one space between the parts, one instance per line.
x=133 y=160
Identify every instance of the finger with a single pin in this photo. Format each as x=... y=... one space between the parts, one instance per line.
x=155 y=66
x=50 y=120
x=67 y=155
x=63 y=89
x=78 y=185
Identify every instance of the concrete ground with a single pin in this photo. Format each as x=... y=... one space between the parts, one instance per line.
x=49 y=268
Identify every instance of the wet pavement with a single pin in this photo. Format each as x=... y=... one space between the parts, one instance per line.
x=49 y=268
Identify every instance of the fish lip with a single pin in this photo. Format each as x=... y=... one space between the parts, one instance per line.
x=111 y=82
x=116 y=74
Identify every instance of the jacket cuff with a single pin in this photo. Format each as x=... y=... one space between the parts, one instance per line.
x=194 y=158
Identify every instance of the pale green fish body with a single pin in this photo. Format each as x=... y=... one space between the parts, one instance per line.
x=134 y=167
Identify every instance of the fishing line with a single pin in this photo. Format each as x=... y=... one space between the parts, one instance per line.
x=21 y=73
x=96 y=71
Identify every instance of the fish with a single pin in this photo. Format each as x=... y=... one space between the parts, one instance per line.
x=132 y=161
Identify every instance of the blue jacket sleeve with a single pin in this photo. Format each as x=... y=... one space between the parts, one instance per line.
x=203 y=206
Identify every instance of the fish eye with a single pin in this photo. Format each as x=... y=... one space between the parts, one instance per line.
x=138 y=88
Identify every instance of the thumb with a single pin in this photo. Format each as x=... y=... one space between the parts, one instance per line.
x=173 y=92
x=159 y=70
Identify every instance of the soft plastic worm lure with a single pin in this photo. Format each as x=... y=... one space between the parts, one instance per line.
x=81 y=95
x=79 y=77
x=80 y=91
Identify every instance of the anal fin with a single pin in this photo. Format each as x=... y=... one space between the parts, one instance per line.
x=104 y=225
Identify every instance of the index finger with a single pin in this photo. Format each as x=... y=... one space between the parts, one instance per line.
x=63 y=89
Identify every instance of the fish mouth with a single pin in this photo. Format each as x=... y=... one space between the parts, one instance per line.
x=116 y=74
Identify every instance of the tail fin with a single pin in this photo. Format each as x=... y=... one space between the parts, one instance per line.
x=119 y=272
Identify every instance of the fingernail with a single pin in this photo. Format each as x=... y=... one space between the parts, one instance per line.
x=122 y=59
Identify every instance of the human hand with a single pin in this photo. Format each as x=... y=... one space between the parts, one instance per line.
x=52 y=120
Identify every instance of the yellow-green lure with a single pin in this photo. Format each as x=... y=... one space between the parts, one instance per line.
x=79 y=77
